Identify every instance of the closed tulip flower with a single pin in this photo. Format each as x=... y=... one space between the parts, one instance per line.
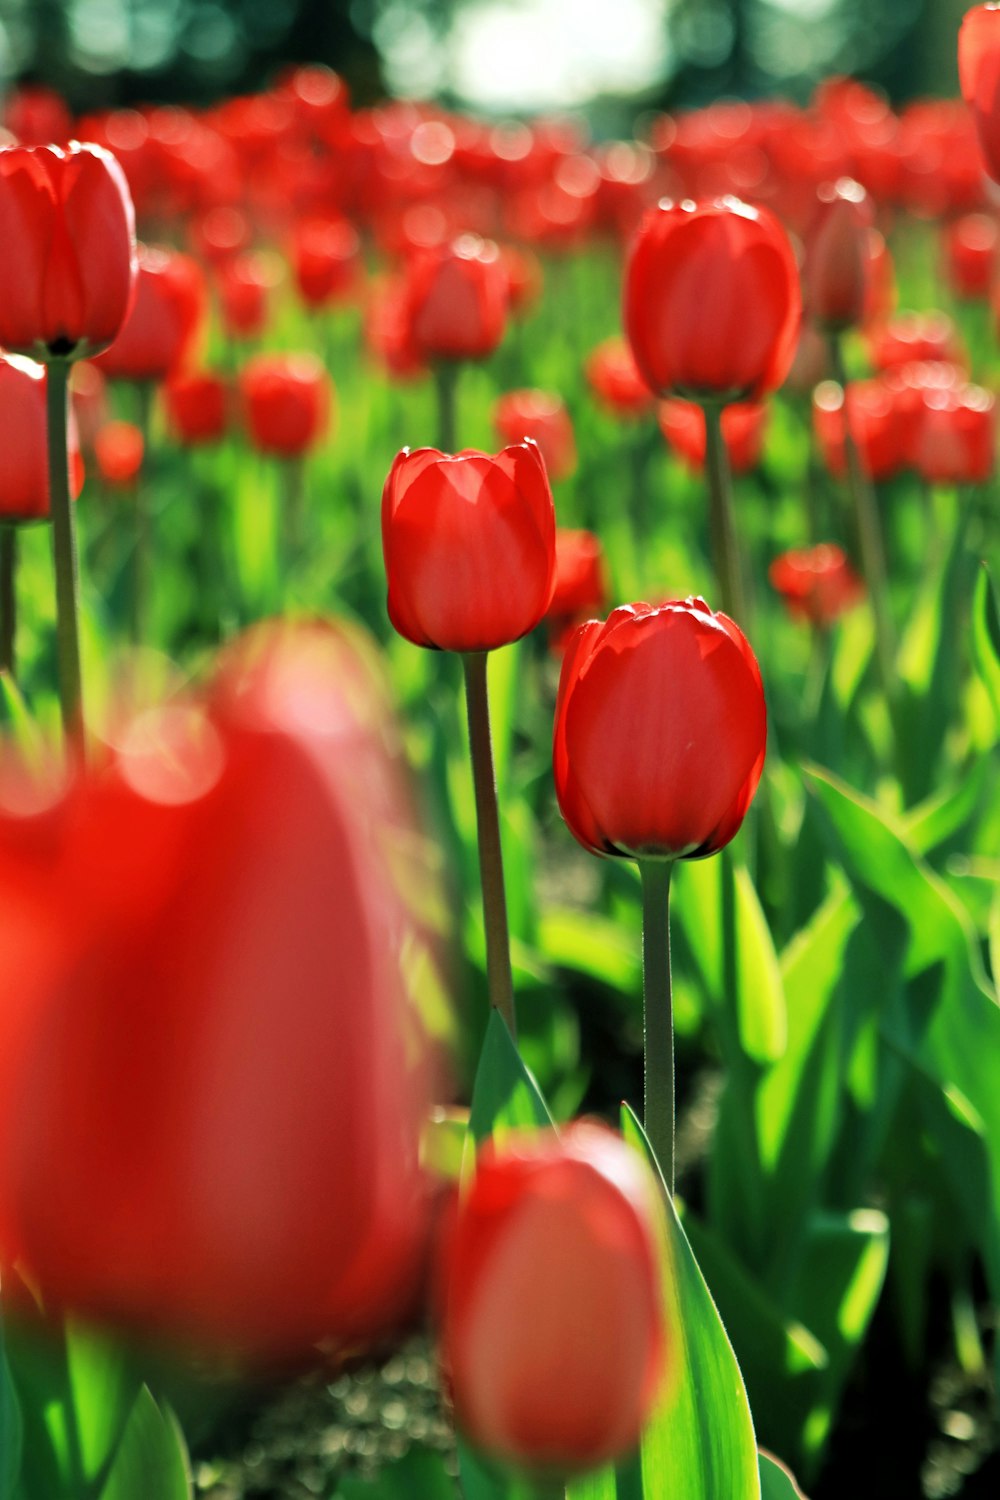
x=979 y=74
x=878 y=427
x=326 y=255
x=469 y=546
x=24 y=474
x=68 y=231
x=837 y=273
x=971 y=248
x=552 y=1324
x=457 y=299
x=614 y=378
x=955 y=441
x=712 y=301
x=660 y=732
x=197 y=407
x=818 y=584
x=211 y=1084
x=743 y=427
x=170 y=306
x=541 y=416
x=581 y=585
x=287 y=403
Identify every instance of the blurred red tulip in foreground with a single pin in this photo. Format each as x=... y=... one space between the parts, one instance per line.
x=735 y=344
x=660 y=731
x=553 y=1337
x=210 y=1085
x=469 y=546
x=68 y=232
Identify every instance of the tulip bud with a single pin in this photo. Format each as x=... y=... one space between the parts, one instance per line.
x=469 y=546
x=836 y=274
x=738 y=343
x=287 y=402
x=542 y=417
x=552 y=1327
x=68 y=231
x=660 y=732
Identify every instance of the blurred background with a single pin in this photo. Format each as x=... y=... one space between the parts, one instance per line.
x=609 y=57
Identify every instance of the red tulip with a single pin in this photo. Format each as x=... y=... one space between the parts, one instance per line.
x=914 y=336
x=197 y=407
x=245 y=285
x=956 y=439
x=211 y=1088
x=552 y=1321
x=877 y=427
x=660 y=731
x=457 y=299
x=287 y=402
x=712 y=301
x=543 y=417
x=818 y=584
x=836 y=274
x=614 y=377
x=580 y=587
x=119 y=449
x=388 y=332
x=743 y=424
x=469 y=546
x=165 y=322
x=88 y=390
x=37 y=116
x=68 y=231
x=326 y=254
x=979 y=74
x=24 y=473
x=971 y=248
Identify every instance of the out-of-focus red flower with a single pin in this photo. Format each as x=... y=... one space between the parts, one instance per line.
x=119 y=450
x=955 y=442
x=811 y=363
x=836 y=270
x=552 y=1321
x=979 y=74
x=221 y=233
x=580 y=588
x=616 y=381
x=68 y=231
x=326 y=256
x=197 y=404
x=245 y=285
x=287 y=402
x=971 y=247
x=912 y=337
x=743 y=426
x=37 y=116
x=878 y=430
x=880 y=301
x=738 y=343
x=457 y=299
x=541 y=416
x=524 y=278
x=89 y=397
x=388 y=331
x=165 y=322
x=469 y=546
x=660 y=731
x=817 y=584
x=24 y=473
x=249 y=1179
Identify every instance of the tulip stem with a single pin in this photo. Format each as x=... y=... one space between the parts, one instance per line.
x=64 y=556
x=869 y=531
x=8 y=598
x=142 y=519
x=498 y=971
x=722 y=527
x=658 y=1018
x=446 y=372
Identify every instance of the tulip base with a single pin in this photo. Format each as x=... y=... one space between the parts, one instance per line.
x=498 y=970
x=657 y=1016
x=64 y=556
x=8 y=598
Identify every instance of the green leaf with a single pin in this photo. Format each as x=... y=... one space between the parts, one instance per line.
x=15 y=715
x=986 y=638
x=11 y=1428
x=776 y=1482
x=600 y=1485
x=592 y=945
x=103 y=1389
x=421 y=1475
x=151 y=1460
x=505 y=1096
x=700 y=1441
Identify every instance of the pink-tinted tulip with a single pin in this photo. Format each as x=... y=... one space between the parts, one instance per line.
x=552 y=1321
x=469 y=546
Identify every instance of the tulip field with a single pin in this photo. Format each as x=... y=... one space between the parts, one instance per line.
x=500 y=800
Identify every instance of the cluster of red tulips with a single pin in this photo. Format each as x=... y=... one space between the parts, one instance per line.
x=216 y=1065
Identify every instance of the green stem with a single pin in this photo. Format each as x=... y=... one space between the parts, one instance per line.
x=869 y=539
x=142 y=519
x=658 y=1018
x=725 y=552
x=498 y=971
x=64 y=556
x=446 y=372
x=293 y=495
x=8 y=598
